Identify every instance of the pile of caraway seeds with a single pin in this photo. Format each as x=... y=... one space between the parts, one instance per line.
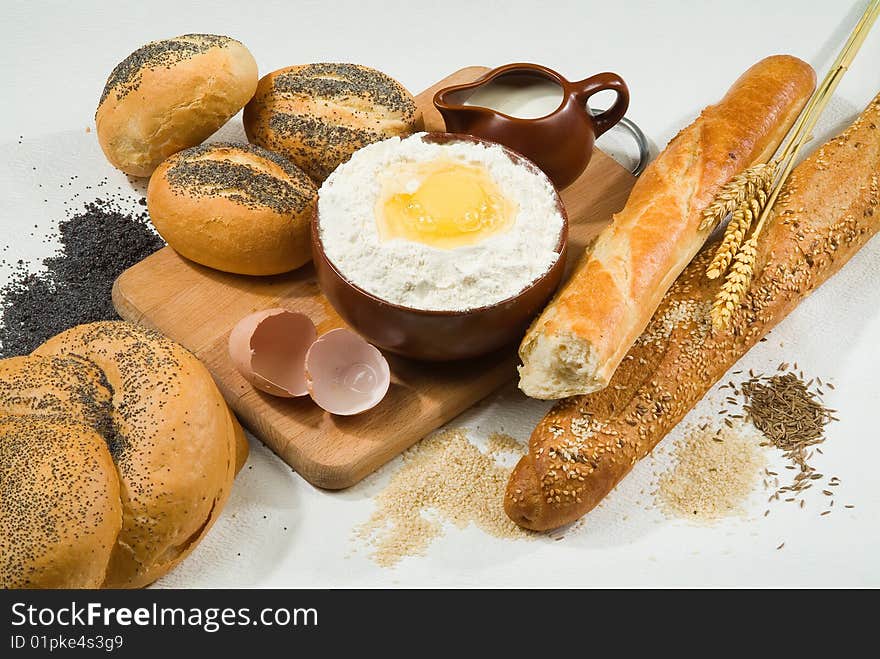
x=716 y=463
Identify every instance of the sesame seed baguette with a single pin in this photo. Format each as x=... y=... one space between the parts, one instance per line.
x=586 y=444
x=578 y=341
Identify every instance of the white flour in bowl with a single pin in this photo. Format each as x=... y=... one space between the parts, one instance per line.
x=416 y=275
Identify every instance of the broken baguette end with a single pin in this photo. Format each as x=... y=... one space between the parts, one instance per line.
x=557 y=366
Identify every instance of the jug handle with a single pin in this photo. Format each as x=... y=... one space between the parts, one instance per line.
x=597 y=83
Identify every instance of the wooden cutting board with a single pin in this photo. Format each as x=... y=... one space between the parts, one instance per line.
x=197 y=307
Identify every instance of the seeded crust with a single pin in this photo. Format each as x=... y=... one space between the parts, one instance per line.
x=170 y=95
x=578 y=341
x=55 y=470
x=234 y=207
x=586 y=444
x=171 y=442
x=319 y=114
x=57 y=386
x=127 y=76
x=175 y=453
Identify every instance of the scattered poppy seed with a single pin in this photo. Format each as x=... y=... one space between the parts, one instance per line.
x=97 y=244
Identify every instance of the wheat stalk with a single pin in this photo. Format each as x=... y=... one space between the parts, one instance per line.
x=743 y=262
x=735 y=284
x=735 y=233
x=737 y=190
x=730 y=244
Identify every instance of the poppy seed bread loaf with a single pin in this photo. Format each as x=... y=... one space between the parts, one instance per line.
x=234 y=207
x=117 y=454
x=319 y=114
x=169 y=95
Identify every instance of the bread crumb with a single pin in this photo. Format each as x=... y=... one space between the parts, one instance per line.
x=444 y=478
x=713 y=473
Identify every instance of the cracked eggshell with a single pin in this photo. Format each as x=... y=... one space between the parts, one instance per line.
x=345 y=374
x=269 y=349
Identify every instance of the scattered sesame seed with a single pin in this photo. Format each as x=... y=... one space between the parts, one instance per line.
x=711 y=479
x=444 y=478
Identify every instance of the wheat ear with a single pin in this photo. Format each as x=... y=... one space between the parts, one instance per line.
x=735 y=233
x=737 y=190
x=735 y=284
x=733 y=237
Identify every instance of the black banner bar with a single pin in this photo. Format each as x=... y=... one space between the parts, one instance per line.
x=379 y=622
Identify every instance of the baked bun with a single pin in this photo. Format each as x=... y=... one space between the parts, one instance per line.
x=173 y=445
x=319 y=114
x=234 y=207
x=54 y=470
x=169 y=449
x=170 y=95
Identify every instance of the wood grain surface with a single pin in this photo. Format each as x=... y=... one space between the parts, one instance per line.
x=197 y=307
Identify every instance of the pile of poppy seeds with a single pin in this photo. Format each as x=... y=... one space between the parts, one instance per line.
x=97 y=243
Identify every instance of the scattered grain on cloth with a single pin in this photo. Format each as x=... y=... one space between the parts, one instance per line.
x=444 y=478
x=714 y=471
x=98 y=243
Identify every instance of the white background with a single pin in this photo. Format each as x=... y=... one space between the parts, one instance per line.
x=677 y=57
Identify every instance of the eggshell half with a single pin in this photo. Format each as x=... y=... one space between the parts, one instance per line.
x=345 y=374
x=269 y=349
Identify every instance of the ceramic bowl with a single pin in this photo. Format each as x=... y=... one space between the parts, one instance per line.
x=439 y=335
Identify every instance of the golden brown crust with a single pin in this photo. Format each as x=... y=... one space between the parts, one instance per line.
x=169 y=95
x=586 y=444
x=234 y=207
x=49 y=385
x=54 y=470
x=319 y=114
x=239 y=440
x=173 y=444
x=615 y=290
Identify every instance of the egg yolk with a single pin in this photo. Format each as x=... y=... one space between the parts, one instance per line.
x=445 y=205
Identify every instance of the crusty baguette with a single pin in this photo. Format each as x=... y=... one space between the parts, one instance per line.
x=587 y=444
x=578 y=341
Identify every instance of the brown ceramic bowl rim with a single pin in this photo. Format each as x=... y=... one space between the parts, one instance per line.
x=447 y=138
x=440 y=101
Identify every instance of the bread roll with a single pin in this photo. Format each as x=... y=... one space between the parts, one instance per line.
x=159 y=418
x=170 y=95
x=242 y=447
x=54 y=470
x=234 y=207
x=173 y=446
x=827 y=210
x=319 y=114
x=578 y=341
